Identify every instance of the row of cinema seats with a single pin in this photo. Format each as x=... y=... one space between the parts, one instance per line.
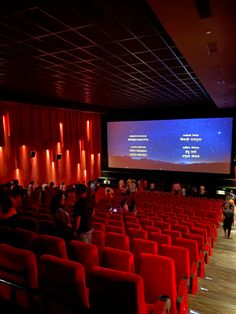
x=56 y=279
x=134 y=261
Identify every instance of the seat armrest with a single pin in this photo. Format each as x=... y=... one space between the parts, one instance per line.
x=182 y=295
x=162 y=305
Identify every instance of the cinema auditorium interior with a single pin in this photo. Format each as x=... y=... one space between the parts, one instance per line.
x=117 y=157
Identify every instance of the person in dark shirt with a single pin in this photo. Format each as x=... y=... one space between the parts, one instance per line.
x=83 y=212
x=63 y=226
x=228 y=214
x=8 y=213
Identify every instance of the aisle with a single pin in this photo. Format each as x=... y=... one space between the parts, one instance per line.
x=221 y=295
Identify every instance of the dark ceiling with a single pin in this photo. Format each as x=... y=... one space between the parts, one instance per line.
x=108 y=54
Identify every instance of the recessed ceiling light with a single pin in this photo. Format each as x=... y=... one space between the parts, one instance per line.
x=208 y=32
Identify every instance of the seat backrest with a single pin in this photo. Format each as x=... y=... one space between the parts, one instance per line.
x=174 y=234
x=117 y=259
x=162 y=225
x=158 y=273
x=63 y=285
x=51 y=245
x=152 y=229
x=116 y=217
x=136 y=233
x=117 y=241
x=133 y=225
x=131 y=219
x=25 y=239
x=29 y=224
x=183 y=229
x=160 y=238
x=6 y=235
x=115 y=229
x=99 y=226
x=116 y=292
x=46 y=227
x=99 y=239
x=143 y=246
x=146 y=222
x=181 y=257
x=115 y=222
x=198 y=237
x=17 y=266
x=191 y=245
x=85 y=254
x=201 y=231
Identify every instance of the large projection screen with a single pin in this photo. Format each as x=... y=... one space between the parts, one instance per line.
x=191 y=145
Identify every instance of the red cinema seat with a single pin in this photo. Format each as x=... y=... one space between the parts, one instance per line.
x=63 y=286
x=117 y=259
x=143 y=246
x=46 y=227
x=172 y=222
x=174 y=235
x=99 y=239
x=202 y=250
x=133 y=225
x=116 y=217
x=150 y=229
x=207 y=239
x=146 y=222
x=118 y=223
x=117 y=241
x=18 y=266
x=131 y=219
x=136 y=233
x=101 y=214
x=29 y=224
x=99 y=219
x=115 y=229
x=160 y=238
x=188 y=224
x=116 y=292
x=158 y=273
x=181 y=258
x=99 y=226
x=162 y=225
x=51 y=245
x=85 y=254
x=24 y=239
x=183 y=229
x=192 y=247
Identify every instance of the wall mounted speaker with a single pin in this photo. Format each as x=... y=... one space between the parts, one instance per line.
x=32 y=154
x=59 y=156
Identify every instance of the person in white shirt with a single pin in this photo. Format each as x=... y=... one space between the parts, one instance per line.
x=132 y=187
x=63 y=187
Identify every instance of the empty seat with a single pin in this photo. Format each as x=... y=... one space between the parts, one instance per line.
x=116 y=217
x=174 y=235
x=102 y=214
x=158 y=273
x=133 y=225
x=117 y=259
x=85 y=254
x=24 y=239
x=117 y=241
x=136 y=233
x=46 y=227
x=6 y=235
x=51 y=245
x=202 y=248
x=192 y=247
x=63 y=286
x=29 y=224
x=181 y=258
x=114 y=222
x=115 y=229
x=162 y=225
x=116 y=292
x=183 y=229
x=99 y=239
x=131 y=219
x=19 y=267
x=146 y=222
x=143 y=246
x=160 y=238
x=99 y=226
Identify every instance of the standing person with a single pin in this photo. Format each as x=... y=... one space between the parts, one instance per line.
x=228 y=214
x=133 y=187
x=30 y=188
x=63 y=226
x=83 y=212
x=9 y=216
x=63 y=187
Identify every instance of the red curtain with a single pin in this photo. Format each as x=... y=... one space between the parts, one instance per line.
x=48 y=131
